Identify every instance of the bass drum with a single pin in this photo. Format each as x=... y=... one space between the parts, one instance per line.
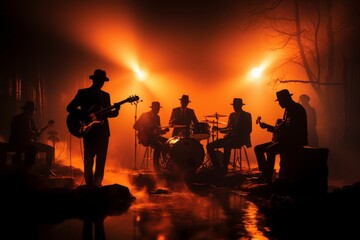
x=182 y=155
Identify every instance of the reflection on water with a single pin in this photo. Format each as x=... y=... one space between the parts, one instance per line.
x=218 y=214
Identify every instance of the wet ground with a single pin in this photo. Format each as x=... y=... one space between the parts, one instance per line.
x=218 y=208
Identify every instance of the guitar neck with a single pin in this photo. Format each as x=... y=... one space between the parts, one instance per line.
x=106 y=110
x=41 y=130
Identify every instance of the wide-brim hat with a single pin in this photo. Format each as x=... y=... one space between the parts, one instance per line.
x=155 y=104
x=99 y=74
x=283 y=95
x=237 y=101
x=184 y=98
x=29 y=105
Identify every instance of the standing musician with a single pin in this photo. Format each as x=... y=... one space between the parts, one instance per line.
x=182 y=117
x=237 y=133
x=23 y=139
x=97 y=139
x=150 y=131
x=289 y=134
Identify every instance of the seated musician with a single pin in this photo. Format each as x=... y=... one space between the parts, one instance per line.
x=182 y=117
x=237 y=133
x=150 y=131
x=289 y=133
x=23 y=139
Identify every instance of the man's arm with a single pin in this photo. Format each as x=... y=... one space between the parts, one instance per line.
x=74 y=104
x=194 y=118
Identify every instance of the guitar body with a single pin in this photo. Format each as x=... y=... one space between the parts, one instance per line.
x=277 y=129
x=79 y=122
x=277 y=132
x=145 y=134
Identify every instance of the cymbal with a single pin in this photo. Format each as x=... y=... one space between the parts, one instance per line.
x=213 y=122
x=216 y=115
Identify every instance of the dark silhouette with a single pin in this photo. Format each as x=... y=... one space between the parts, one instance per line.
x=94 y=229
x=237 y=134
x=3 y=150
x=313 y=139
x=23 y=139
x=289 y=134
x=96 y=140
x=149 y=132
x=182 y=117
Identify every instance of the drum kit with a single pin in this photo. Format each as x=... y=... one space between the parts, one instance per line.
x=186 y=154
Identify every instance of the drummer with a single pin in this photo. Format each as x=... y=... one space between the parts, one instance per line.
x=237 y=134
x=182 y=117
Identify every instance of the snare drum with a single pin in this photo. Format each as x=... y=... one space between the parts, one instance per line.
x=200 y=131
x=182 y=155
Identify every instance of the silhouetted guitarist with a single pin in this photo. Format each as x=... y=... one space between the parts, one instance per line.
x=23 y=139
x=288 y=136
x=95 y=141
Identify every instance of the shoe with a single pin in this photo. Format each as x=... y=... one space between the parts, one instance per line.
x=97 y=183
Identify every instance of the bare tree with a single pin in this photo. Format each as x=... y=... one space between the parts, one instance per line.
x=308 y=33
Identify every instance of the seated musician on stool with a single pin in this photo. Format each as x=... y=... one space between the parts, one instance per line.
x=289 y=134
x=150 y=131
x=23 y=138
x=237 y=133
x=184 y=117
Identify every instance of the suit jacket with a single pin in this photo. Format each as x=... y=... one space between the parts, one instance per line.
x=178 y=117
x=22 y=132
x=241 y=127
x=292 y=131
x=92 y=100
x=147 y=126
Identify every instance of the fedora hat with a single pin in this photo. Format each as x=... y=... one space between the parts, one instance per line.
x=155 y=104
x=237 y=101
x=100 y=75
x=184 y=98
x=29 y=105
x=283 y=95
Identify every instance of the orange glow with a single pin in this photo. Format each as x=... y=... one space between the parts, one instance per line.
x=251 y=222
x=161 y=237
x=211 y=72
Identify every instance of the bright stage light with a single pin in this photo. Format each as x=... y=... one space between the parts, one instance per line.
x=256 y=72
x=141 y=75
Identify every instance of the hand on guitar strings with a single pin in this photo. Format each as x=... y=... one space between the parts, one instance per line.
x=117 y=106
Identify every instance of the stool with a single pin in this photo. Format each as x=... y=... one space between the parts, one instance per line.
x=147 y=157
x=237 y=158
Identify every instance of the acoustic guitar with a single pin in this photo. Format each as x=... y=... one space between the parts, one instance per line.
x=277 y=129
x=80 y=122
